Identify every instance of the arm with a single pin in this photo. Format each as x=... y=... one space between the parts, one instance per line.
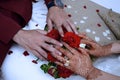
x=97 y=74
x=115 y=47
x=8 y=28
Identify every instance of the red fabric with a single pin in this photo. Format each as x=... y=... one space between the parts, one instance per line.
x=47 y=1
x=12 y=12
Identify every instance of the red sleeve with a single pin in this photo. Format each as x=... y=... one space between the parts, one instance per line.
x=47 y=1
x=8 y=28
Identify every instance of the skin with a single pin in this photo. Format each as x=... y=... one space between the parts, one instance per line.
x=101 y=50
x=35 y=40
x=58 y=17
x=81 y=64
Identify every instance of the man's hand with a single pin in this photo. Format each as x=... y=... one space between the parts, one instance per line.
x=58 y=17
x=36 y=42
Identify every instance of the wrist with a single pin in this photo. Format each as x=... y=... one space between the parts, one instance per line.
x=57 y=3
x=107 y=49
x=17 y=35
x=94 y=73
x=115 y=47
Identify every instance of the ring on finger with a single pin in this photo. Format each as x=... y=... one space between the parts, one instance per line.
x=67 y=63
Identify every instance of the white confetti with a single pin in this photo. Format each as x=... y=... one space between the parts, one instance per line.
x=97 y=39
x=76 y=11
x=85 y=17
x=105 y=34
x=69 y=6
x=107 y=31
x=93 y=32
x=88 y=30
x=109 y=38
x=75 y=22
x=81 y=21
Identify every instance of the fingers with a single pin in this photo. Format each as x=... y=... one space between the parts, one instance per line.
x=50 y=25
x=87 y=42
x=72 y=50
x=38 y=51
x=53 y=41
x=38 y=55
x=83 y=51
x=59 y=27
x=51 y=49
x=41 y=31
x=65 y=52
x=72 y=26
x=59 y=63
x=60 y=58
x=67 y=26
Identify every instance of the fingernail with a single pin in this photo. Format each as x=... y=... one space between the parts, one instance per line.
x=48 y=30
x=62 y=35
x=61 y=44
x=60 y=53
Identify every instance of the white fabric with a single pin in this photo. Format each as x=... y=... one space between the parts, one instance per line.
x=19 y=67
x=110 y=4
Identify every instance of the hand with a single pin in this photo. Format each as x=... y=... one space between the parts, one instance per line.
x=79 y=61
x=96 y=49
x=36 y=42
x=58 y=17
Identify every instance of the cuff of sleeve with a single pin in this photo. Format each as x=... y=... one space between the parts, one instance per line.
x=50 y=4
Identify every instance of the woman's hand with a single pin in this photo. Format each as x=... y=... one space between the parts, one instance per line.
x=36 y=42
x=96 y=49
x=58 y=17
x=79 y=61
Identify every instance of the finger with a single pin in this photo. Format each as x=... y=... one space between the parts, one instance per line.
x=83 y=51
x=53 y=41
x=50 y=48
x=42 y=52
x=87 y=42
x=65 y=52
x=60 y=58
x=62 y=64
x=72 y=50
x=59 y=63
x=67 y=26
x=37 y=55
x=60 y=30
x=50 y=25
x=82 y=35
x=35 y=52
x=41 y=31
x=72 y=26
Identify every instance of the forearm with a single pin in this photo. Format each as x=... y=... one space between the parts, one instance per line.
x=101 y=75
x=115 y=47
x=112 y=48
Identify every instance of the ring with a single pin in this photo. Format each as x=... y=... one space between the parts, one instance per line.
x=67 y=63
